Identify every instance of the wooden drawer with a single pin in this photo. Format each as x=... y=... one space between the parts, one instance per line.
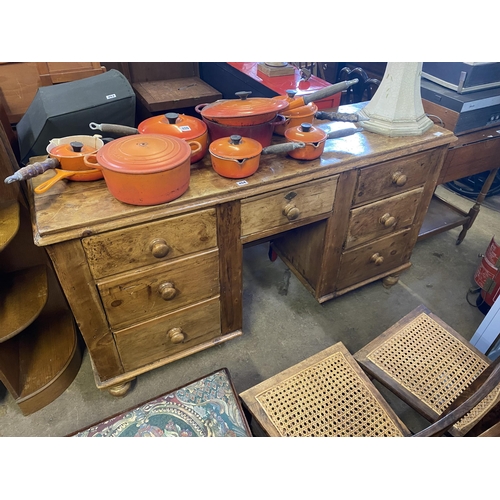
x=261 y=213
x=134 y=247
x=150 y=341
x=374 y=258
x=136 y=296
x=395 y=176
x=382 y=217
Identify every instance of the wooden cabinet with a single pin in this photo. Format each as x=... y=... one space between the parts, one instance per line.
x=150 y=285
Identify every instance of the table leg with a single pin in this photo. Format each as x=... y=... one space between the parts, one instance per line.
x=474 y=211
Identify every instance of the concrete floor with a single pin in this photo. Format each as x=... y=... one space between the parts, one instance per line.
x=283 y=324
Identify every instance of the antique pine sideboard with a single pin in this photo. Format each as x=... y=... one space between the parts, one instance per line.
x=151 y=284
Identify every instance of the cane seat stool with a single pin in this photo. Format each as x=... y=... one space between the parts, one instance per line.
x=428 y=365
x=206 y=407
x=325 y=395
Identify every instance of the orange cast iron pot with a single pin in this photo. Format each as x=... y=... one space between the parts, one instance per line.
x=237 y=157
x=178 y=125
x=297 y=116
x=256 y=110
x=145 y=169
x=314 y=139
x=184 y=127
x=70 y=152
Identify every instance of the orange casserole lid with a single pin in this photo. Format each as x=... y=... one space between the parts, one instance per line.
x=144 y=153
x=242 y=107
x=235 y=147
x=306 y=132
x=74 y=148
x=183 y=126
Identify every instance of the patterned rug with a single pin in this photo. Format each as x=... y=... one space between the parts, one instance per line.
x=207 y=407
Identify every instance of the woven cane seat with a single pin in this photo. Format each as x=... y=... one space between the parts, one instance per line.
x=325 y=395
x=427 y=364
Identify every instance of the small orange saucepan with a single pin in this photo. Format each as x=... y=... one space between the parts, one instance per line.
x=69 y=152
x=314 y=139
x=237 y=157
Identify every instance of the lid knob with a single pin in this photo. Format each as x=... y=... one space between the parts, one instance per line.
x=305 y=127
x=235 y=139
x=291 y=93
x=243 y=94
x=76 y=146
x=171 y=117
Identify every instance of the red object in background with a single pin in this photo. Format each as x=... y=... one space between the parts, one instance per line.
x=281 y=84
x=487 y=275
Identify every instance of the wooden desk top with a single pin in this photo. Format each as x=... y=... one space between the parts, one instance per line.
x=72 y=210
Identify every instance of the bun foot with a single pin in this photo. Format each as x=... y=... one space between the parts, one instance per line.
x=120 y=390
x=390 y=281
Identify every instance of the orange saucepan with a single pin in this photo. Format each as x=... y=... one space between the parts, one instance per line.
x=253 y=111
x=314 y=139
x=69 y=152
x=188 y=128
x=238 y=157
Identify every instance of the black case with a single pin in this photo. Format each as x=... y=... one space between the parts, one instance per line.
x=68 y=108
x=463 y=77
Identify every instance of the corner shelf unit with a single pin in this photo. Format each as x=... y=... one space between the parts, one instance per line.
x=39 y=351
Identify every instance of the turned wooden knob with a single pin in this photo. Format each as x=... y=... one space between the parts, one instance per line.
x=159 y=248
x=291 y=212
x=167 y=291
x=399 y=178
x=176 y=335
x=387 y=220
x=377 y=259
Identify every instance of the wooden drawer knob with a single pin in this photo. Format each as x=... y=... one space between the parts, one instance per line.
x=387 y=220
x=291 y=212
x=176 y=335
x=399 y=179
x=159 y=248
x=167 y=291
x=377 y=259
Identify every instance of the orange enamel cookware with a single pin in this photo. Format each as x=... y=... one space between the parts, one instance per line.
x=242 y=111
x=78 y=175
x=314 y=139
x=178 y=125
x=145 y=169
x=70 y=151
x=296 y=116
x=252 y=111
x=237 y=157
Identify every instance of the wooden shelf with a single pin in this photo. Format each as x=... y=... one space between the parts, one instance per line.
x=39 y=363
x=441 y=216
x=9 y=222
x=23 y=295
x=39 y=351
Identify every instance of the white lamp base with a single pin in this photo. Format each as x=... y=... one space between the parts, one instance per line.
x=396 y=108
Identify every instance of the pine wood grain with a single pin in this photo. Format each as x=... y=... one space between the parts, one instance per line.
x=127 y=249
x=99 y=246
x=366 y=224
x=267 y=211
x=23 y=295
x=149 y=341
x=135 y=296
